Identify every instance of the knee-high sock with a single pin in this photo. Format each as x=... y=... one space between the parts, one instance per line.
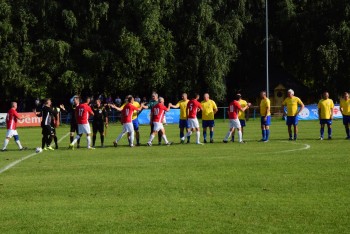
x=93 y=139
x=204 y=135
x=71 y=138
x=120 y=136
x=151 y=137
x=55 y=140
x=6 y=142
x=88 y=139
x=160 y=134
x=263 y=133
x=322 y=132
x=240 y=136
x=102 y=139
x=49 y=140
x=267 y=134
x=165 y=139
x=77 y=138
x=43 y=142
x=198 y=135
x=19 y=144
x=211 y=134
x=189 y=134
x=229 y=133
x=329 y=132
x=132 y=138
x=347 y=130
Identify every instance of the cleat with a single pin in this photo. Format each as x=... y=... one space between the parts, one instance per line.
x=188 y=142
x=199 y=143
x=265 y=141
x=50 y=148
x=242 y=142
x=330 y=138
x=205 y=141
x=262 y=140
x=159 y=143
x=347 y=138
x=224 y=141
x=71 y=146
x=211 y=140
x=3 y=150
x=182 y=141
x=169 y=143
x=149 y=144
x=56 y=147
x=290 y=139
x=138 y=144
x=232 y=140
x=115 y=144
x=78 y=146
x=23 y=148
x=91 y=148
x=45 y=149
x=321 y=138
x=131 y=146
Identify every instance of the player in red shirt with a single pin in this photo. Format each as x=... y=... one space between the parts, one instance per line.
x=128 y=127
x=193 y=106
x=233 y=110
x=11 y=123
x=82 y=114
x=157 y=117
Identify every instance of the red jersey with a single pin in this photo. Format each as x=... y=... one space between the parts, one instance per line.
x=192 y=107
x=83 y=111
x=127 y=112
x=158 y=112
x=233 y=109
x=11 y=119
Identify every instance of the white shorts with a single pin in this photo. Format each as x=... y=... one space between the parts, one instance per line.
x=193 y=123
x=128 y=127
x=10 y=133
x=84 y=129
x=157 y=126
x=234 y=123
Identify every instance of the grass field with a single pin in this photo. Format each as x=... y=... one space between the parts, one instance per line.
x=274 y=187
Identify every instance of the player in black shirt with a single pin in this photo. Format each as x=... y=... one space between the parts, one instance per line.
x=73 y=121
x=47 y=114
x=99 y=121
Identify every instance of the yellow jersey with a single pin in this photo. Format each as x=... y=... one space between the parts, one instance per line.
x=241 y=114
x=182 y=104
x=325 y=106
x=292 y=105
x=208 y=109
x=264 y=104
x=345 y=105
x=135 y=104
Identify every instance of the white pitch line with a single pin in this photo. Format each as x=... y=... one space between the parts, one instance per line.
x=24 y=158
x=305 y=147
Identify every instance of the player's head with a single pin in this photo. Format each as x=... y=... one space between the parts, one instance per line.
x=161 y=100
x=206 y=96
x=98 y=102
x=14 y=105
x=130 y=99
x=325 y=95
x=290 y=92
x=346 y=95
x=154 y=96
x=263 y=94
x=184 y=96
x=196 y=96
x=47 y=102
x=76 y=100
x=238 y=97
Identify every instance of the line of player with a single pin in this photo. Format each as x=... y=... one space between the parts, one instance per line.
x=81 y=112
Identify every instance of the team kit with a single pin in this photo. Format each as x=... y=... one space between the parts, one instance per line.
x=81 y=112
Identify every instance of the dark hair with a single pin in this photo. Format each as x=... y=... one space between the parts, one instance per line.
x=130 y=98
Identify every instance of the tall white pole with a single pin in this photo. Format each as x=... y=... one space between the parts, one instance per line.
x=267 y=47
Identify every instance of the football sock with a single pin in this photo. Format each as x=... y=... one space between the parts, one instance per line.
x=204 y=135
x=138 y=140
x=88 y=139
x=49 y=140
x=6 y=142
x=188 y=138
x=263 y=133
x=71 y=138
x=19 y=144
x=165 y=139
x=290 y=135
x=55 y=140
x=120 y=136
x=181 y=135
x=211 y=134
x=151 y=137
x=102 y=139
x=267 y=134
x=295 y=136
x=233 y=137
x=131 y=138
x=347 y=130
x=77 y=138
x=43 y=141
x=322 y=132
x=198 y=135
x=189 y=134
x=227 y=135
x=93 y=139
x=329 y=132
x=160 y=136
x=239 y=136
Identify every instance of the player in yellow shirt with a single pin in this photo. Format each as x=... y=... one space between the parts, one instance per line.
x=208 y=112
x=265 y=119
x=241 y=114
x=292 y=103
x=182 y=104
x=135 y=120
x=345 y=110
x=325 y=114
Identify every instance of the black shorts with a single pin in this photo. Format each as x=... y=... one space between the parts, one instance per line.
x=47 y=130
x=74 y=127
x=97 y=127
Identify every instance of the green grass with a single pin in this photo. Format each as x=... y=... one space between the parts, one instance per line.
x=215 y=188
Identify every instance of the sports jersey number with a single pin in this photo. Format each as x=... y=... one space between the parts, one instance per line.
x=127 y=112
x=81 y=111
x=232 y=108
x=191 y=107
x=156 y=111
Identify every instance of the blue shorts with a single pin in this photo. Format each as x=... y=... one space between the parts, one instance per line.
x=346 y=119
x=135 y=122
x=183 y=123
x=326 y=121
x=267 y=122
x=242 y=121
x=208 y=123
x=292 y=120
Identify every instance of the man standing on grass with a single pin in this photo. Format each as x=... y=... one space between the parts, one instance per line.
x=11 y=124
x=208 y=112
x=99 y=122
x=233 y=111
x=265 y=118
x=193 y=106
x=241 y=115
x=82 y=114
x=127 y=114
x=182 y=104
x=292 y=103
x=345 y=110
x=150 y=105
x=135 y=121
x=325 y=114
x=157 y=116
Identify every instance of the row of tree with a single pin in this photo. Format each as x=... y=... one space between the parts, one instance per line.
x=57 y=48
